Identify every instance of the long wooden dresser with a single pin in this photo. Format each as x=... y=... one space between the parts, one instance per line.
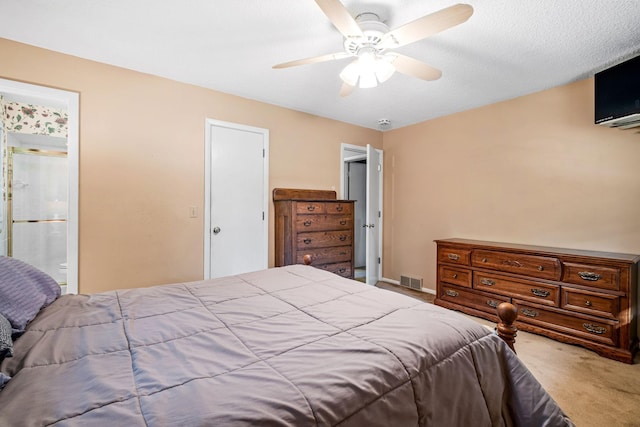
x=574 y=296
x=313 y=224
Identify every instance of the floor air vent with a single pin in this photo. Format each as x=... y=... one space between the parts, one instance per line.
x=411 y=282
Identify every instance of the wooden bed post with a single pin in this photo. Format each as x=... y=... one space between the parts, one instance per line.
x=507 y=313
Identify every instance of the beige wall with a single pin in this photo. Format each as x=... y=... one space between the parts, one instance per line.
x=142 y=162
x=532 y=170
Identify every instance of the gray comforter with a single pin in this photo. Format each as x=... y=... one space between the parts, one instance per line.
x=287 y=346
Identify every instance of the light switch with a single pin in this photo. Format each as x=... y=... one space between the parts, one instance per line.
x=193 y=212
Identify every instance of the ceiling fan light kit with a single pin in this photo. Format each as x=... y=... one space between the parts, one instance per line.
x=367 y=39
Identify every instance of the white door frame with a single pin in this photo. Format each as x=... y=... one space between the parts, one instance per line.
x=350 y=152
x=209 y=123
x=71 y=102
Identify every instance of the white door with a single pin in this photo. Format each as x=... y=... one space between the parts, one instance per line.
x=374 y=214
x=236 y=218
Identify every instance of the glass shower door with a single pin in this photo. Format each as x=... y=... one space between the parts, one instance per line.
x=38 y=209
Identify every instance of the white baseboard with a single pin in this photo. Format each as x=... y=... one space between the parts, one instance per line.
x=396 y=282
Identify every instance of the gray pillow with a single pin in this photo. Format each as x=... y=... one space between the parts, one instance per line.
x=6 y=343
x=24 y=291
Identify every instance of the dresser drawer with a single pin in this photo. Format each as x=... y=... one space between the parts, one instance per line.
x=542 y=267
x=454 y=255
x=536 y=292
x=323 y=222
x=343 y=269
x=479 y=300
x=591 y=328
x=325 y=255
x=324 y=239
x=339 y=208
x=310 y=207
x=455 y=276
x=590 y=302
x=592 y=275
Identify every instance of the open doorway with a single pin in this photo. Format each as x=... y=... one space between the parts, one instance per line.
x=39 y=179
x=361 y=180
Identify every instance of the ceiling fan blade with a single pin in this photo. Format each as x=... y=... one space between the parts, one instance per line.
x=346 y=89
x=340 y=18
x=413 y=67
x=428 y=25
x=313 y=60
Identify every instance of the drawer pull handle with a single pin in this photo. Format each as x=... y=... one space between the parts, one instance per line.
x=451 y=293
x=453 y=257
x=342 y=270
x=529 y=313
x=339 y=208
x=311 y=208
x=587 y=275
x=492 y=303
x=484 y=260
x=307 y=223
x=343 y=253
x=511 y=263
x=595 y=329
x=307 y=241
x=540 y=292
x=587 y=303
x=454 y=275
x=343 y=222
x=540 y=268
x=488 y=282
x=343 y=237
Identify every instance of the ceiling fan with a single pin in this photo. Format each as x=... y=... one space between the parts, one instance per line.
x=371 y=42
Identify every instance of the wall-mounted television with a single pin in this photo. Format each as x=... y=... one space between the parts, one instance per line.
x=617 y=95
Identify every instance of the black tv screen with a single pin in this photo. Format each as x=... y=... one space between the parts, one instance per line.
x=617 y=91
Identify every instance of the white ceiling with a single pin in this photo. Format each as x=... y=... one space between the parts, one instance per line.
x=508 y=48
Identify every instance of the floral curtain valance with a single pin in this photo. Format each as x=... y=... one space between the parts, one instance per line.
x=34 y=119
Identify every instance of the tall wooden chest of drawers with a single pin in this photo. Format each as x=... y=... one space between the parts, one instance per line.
x=575 y=296
x=314 y=224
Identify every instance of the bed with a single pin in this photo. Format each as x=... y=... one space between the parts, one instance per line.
x=288 y=346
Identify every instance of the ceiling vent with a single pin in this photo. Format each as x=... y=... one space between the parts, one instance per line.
x=384 y=124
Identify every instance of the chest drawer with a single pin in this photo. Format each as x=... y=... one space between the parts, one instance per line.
x=310 y=207
x=339 y=208
x=323 y=222
x=479 y=300
x=536 y=292
x=454 y=255
x=324 y=239
x=583 y=326
x=592 y=275
x=590 y=302
x=325 y=255
x=455 y=276
x=542 y=267
x=343 y=269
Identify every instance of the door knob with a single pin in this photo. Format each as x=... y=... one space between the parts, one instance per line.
x=216 y=230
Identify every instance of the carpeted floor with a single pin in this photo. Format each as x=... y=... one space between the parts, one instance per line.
x=592 y=390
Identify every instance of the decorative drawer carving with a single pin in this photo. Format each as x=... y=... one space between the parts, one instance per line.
x=310 y=207
x=323 y=222
x=592 y=275
x=592 y=328
x=479 y=300
x=542 y=267
x=455 y=276
x=454 y=256
x=325 y=255
x=590 y=302
x=541 y=293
